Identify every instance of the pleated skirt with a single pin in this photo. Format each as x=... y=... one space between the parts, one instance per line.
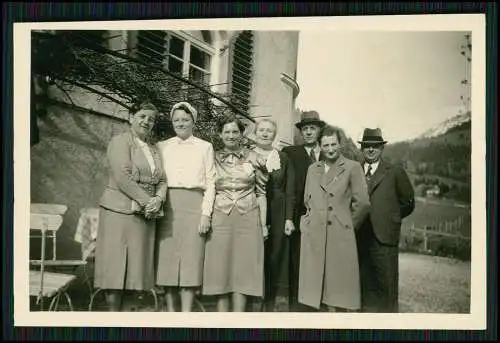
x=124 y=258
x=234 y=255
x=180 y=248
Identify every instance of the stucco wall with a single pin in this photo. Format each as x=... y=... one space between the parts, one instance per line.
x=68 y=165
x=275 y=52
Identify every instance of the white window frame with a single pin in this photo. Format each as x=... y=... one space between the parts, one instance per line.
x=188 y=42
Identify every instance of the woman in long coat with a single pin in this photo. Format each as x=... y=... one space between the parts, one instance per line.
x=337 y=201
x=280 y=204
x=129 y=204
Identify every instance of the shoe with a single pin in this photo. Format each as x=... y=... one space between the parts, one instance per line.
x=281 y=304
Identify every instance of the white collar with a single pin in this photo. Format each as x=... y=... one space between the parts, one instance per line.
x=315 y=149
x=179 y=140
x=263 y=151
x=140 y=141
x=374 y=165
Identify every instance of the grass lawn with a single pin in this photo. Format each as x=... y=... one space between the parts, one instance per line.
x=428 y=284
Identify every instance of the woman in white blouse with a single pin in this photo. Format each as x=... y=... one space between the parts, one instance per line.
x=189 y=167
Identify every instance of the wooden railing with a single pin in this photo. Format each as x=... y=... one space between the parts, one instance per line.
x=451 y=229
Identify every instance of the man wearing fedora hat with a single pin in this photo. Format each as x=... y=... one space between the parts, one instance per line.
x=301 y=156
x=392 y=199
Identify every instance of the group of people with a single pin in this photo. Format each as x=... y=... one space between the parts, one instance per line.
x=302 y=229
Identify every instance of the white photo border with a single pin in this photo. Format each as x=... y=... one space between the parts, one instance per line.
x=476 y=320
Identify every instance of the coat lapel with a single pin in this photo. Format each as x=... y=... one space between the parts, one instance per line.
x=379 y=175
x=154 y=153
x=157 y=160
x=305 y=156
x=333 y=173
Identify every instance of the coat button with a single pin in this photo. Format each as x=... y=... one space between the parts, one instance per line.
x=329 y=223
x=331 y=194
x=330 y=208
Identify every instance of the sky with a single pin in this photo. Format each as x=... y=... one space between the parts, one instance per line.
x=402 y=82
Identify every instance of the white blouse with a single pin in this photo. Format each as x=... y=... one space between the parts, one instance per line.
x=147 y=152
x=190 y=164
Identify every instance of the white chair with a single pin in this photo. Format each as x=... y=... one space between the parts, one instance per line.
x=43 y=284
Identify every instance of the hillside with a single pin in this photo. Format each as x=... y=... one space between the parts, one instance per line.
x=435 y=158
x=447 y=125
x=446 y=155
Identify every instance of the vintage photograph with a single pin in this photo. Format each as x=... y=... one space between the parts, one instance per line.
x=298 y=171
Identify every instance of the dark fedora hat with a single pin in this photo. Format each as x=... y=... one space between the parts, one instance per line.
x=372 y=136
x=309 y=118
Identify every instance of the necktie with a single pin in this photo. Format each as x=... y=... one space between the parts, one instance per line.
x=312 y=155
x=369 y=171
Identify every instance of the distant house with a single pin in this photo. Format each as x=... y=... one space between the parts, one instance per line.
x=410 y=166
x=68 y=162
x=434 y=191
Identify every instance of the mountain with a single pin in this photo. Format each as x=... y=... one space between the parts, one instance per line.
x=441 y=155
x=446 y=126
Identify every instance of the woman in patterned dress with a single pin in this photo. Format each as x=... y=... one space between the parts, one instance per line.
x=234 y=252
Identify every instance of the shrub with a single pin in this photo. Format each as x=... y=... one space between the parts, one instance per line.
x=450 y=247
x=437 y=245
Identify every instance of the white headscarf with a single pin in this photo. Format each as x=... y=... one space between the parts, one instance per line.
x=191 y=109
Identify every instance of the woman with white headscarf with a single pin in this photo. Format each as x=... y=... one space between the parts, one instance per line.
x=190 y=172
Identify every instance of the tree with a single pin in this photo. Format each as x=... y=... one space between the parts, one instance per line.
x=466 y=52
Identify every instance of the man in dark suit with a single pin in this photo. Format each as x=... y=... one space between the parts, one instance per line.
x=392 y=199
x=301 y=156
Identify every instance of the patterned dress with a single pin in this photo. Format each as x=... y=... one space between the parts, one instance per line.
x=234 y=252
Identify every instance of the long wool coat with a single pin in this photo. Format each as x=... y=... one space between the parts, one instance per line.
x=336 y=203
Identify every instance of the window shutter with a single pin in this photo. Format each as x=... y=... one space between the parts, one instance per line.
x=151 y=46
x=242 y=66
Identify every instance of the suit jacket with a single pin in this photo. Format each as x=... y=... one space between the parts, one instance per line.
x=300 y=161
x=337 y=203
x=392 y=199
x=130 y=176
x=280 y=193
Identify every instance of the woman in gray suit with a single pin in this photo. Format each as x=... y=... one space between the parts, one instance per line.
x=129 y=205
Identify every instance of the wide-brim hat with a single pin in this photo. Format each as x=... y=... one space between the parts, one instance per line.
x=309 y=118
x=372 y=136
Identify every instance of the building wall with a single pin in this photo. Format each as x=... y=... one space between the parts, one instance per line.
x=275 y=53
x=69 y=165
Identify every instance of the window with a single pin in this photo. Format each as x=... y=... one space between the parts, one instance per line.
x=150 y=46
x=242 y=66
x=199 y=66
x=176 y=53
